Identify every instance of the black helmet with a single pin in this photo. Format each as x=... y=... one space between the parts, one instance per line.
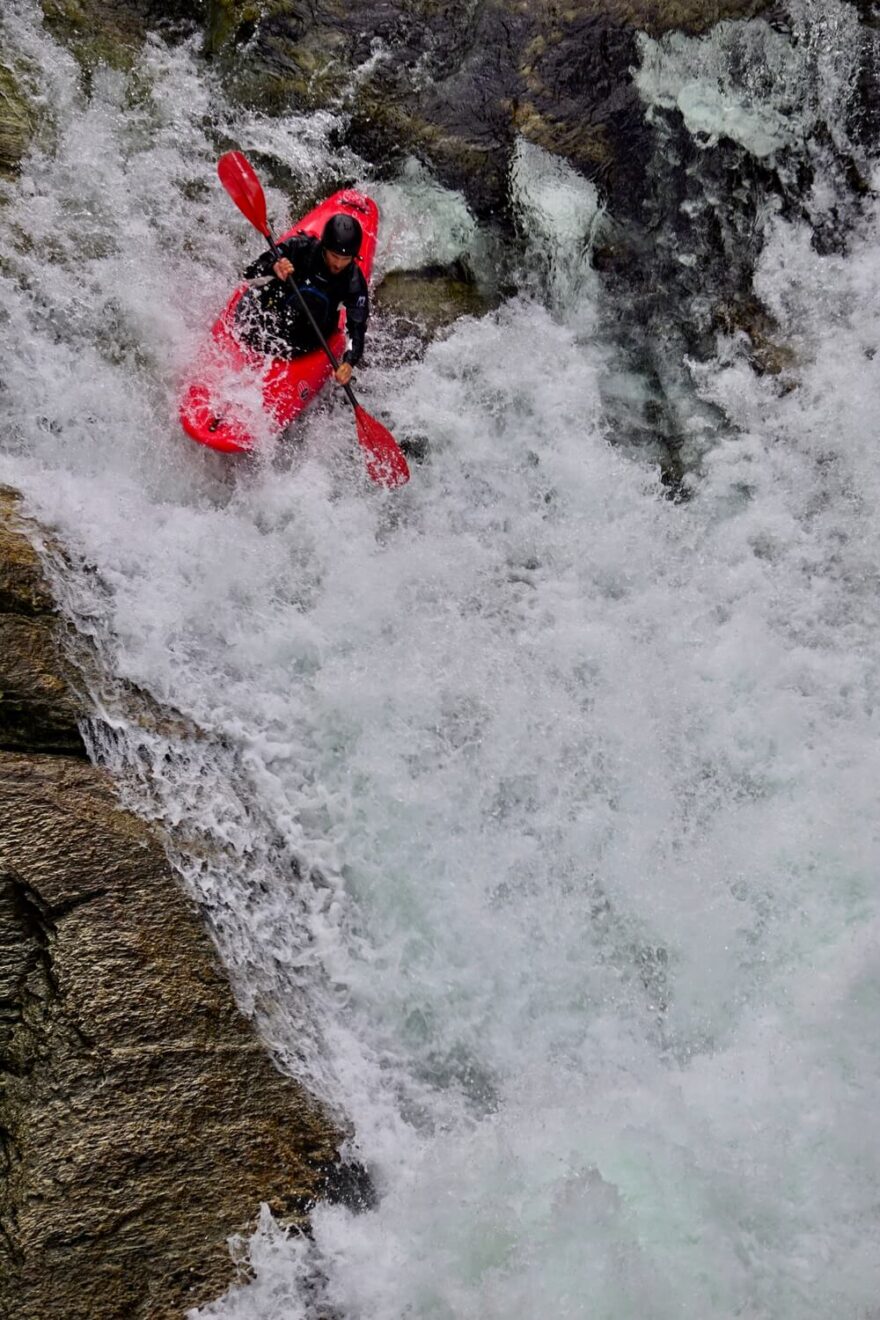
x=342 y=234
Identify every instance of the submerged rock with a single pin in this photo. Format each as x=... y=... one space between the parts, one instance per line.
x=429 y=300
x=768 y=352
x=143 y=1122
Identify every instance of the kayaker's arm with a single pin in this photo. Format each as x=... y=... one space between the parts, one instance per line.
x=261 y=268
x=357 y=313
x=265 y=263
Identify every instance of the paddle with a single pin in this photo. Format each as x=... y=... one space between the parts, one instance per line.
x=385 y=461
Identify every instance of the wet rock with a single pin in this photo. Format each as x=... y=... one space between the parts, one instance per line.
x=578 y=99
x=229 y=22
x=23 y=587
x=96 y=32
x=39 y=708
x=142 y=1122
x=431 y=299
x=869 y=11
x=768 y=353
x=454 y=84
x=691 y=16
x=16 y=121
x=112 y=32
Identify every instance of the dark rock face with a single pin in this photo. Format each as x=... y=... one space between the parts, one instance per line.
x=38 y=708
x=142 y=1122
x=455 y=83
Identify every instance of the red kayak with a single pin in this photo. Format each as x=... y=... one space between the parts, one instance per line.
x=240 y=396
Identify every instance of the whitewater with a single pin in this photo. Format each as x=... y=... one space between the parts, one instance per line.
x=534 y=812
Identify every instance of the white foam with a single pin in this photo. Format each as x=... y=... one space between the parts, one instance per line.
x=446 y=230
x=766 y=90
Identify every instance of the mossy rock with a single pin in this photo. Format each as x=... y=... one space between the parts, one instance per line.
x=143 y=1121
x=430 y=299
x=461 y=82
x=112 y=32
x=16 y=122
x=292 y=62
x=387 y=131
x=229 y=21
x=23 y=586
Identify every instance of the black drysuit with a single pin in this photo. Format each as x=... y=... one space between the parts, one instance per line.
x=269 y=316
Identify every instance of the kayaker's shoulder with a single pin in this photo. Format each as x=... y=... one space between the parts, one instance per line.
x=301 y=242
x=357 y=280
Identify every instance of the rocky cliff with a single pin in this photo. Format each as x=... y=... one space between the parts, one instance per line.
x=142 y=1122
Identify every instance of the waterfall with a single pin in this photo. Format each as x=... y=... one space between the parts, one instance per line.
x=533 y=812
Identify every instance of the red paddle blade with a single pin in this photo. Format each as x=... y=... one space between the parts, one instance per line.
x=385 y=461
x=244 y=188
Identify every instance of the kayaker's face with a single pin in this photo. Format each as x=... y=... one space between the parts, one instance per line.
x=336 y=262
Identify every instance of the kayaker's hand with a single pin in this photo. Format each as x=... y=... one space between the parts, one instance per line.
x=283 y=268
x=343 y=373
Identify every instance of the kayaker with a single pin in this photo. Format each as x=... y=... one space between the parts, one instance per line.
x=269 y=316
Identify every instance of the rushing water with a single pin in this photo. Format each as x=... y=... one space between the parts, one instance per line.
x=535 y=814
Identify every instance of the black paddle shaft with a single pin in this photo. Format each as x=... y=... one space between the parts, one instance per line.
x=291 y=280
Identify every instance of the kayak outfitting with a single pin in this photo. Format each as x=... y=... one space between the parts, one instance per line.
x=212 y=410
